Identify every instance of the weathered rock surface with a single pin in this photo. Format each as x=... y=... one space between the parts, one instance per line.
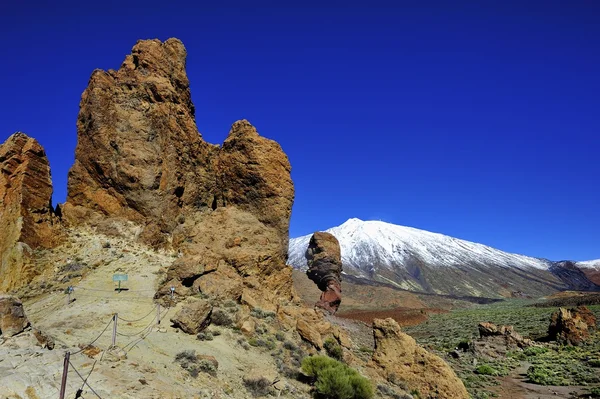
x=140 y=157
x=495 y=341
x=26 y=213
x=139 y=154
x=398 y=356
x=194 y=316
x=571 y=326
x=507 y=334
x=12 y=316
x=324 y=261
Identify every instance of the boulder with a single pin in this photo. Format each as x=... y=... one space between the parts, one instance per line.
x=397 y=356
x=194 y=316
x=309 y=334
x=323 y=256
x=571 y=326
x=12 y=316
x=26 y=213
x=495 y=341
x=507 y=334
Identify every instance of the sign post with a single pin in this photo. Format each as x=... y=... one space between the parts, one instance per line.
x=119 y=278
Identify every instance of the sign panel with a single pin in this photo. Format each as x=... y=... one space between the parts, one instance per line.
x=119 y=277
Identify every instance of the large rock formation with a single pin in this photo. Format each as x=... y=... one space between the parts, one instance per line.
x=398 y=357
x=571 y=326
x=26 y=213
x=139 y=154
x=324 y=269
x=141 y=158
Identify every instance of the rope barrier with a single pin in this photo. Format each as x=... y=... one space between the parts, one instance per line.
x=96 y=339
x=84 y=381
x=123 y=290
x=141 y=318
x=138 y=340
x=123 y=298
x=140 y=332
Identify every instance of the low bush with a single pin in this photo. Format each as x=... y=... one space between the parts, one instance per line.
x=335 y=380
x=333 y=349
x=205 y=336
x=486 y=369
x=192 y=364
x=220 y=317
x=543 y=376
x=262 y=314
x=258 y=386
x=534 y=351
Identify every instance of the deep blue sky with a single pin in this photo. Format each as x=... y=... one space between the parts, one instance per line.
x=472 y=120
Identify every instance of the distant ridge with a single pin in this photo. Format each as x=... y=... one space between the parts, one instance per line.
x=422 y=261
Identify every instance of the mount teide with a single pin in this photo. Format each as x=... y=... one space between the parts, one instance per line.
x=422 y=261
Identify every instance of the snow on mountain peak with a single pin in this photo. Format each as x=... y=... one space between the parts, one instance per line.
x=590 y=264
x=391 y=246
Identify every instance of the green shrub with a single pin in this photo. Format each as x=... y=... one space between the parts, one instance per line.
x=262 y=314
x=267 y=342
x=333 y=349
x=542 y=376
x=594 y=362
x=486 y=369
x=335 y=380
x=595 y=392
x=534 y=351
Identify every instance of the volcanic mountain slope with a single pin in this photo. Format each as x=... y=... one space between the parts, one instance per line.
x=422 y=261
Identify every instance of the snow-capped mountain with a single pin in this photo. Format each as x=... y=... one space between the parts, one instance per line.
x=590 y=264
x=419 y=260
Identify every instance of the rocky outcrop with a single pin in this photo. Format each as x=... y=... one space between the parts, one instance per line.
x=571 y=326
x=324 y=269
x=139 y=154
x=398 y=357
x=495 y=341
x=26 y=213
x=12 y=316
x=507 y=334
x=194 y=316
x=140 y=157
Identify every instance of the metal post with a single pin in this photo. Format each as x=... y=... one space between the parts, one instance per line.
x=69 y=290
x=63 y=383
x=114 y=335
x=158 y=313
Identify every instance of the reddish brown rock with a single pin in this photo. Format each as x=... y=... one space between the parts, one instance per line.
x=139 y=154
x=571 y=326
x=140 y=157
x=254 y=175
x=324 y=269
x=26 y=214
x=193 y=317
x=397 y=356
x=12 y=316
